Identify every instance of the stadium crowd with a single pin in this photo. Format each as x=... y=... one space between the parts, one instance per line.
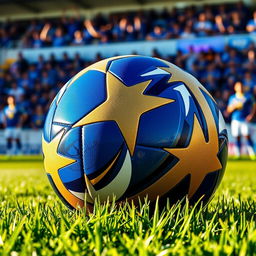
x=34 y=85
x=141 y=25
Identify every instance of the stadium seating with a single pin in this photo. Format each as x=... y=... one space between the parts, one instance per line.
x=130 y=26
x=34 y=84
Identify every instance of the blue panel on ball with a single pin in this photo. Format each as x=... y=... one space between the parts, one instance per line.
x=129 y=70
x=101 y=142
x=187 y=129
x=48 y=122
x=188 y=125
x=213 y=108
x=156 y=87
x=70 y=145
x=161 y=127
x=145 y=161
x=71 y=172
x=201 y=118
x=56 y=128
x=85 y=93
x=148 y=165
x=77 y=185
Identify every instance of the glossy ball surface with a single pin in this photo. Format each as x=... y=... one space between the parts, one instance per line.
x=134 y=126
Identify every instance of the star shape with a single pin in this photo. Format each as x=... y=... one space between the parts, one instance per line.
x=53 y=162
x=197 y=159
x=179 y=75
x=200 y=157
x=124 y=105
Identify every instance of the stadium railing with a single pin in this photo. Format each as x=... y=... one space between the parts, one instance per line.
x=164 y=47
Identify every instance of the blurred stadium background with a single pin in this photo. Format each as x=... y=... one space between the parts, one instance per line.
x=44 y=43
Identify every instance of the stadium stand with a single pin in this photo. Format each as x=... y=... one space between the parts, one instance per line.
x=129 y=26
x=35 y=84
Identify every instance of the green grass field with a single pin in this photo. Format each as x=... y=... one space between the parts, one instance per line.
x=34 y=222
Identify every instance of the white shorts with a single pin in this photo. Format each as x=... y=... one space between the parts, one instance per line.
x=12 y=132
x=239 y=128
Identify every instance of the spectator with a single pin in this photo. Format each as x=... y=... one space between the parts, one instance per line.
x=130 y=33
x=45 y=79
x=184 y=23
x=157 y=33
x=78 y=63
x=16 y=92
x=24 y=81
x=66 y=62
x=44 y=35
x=22 y=64
x=236 y=24
x=5 y=40
x=242 y=108
x=12 y=119
x=175 y=30
x=213 y=71
x=203 y=27
x=38 y=117
x=117 y=32
x=250 y=62
x=72 y=25
x=210 y=83
x=40 y=63
x=188 y=32
x=91 y=32
x=78 y=38
x=33 y=73
x=221 y=25
x=251 y=25
x=248 y=82
x=190 y=59
x=59 y=38
x=36 y=41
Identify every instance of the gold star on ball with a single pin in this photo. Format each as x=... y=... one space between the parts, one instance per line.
x=198 y=159
x=124 y=105
x=179 y=75
x=53 y=162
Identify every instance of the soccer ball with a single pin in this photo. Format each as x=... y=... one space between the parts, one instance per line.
x=133 y=127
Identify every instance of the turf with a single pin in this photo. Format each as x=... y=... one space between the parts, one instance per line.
x=34 y=222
